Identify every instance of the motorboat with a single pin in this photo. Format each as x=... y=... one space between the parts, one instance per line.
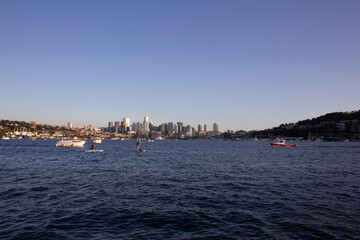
x=97 y=140
x=281 y=143
x=71 y=143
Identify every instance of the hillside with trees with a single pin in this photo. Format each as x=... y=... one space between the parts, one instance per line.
x=7 y=126
x=331 y=126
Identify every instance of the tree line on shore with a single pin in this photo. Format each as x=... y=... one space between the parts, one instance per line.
x=341 y=125
x=7 y=126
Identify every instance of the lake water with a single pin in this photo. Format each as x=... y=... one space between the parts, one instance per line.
x=179 y=190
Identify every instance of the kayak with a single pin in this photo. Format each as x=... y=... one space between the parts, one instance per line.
x=94 y=150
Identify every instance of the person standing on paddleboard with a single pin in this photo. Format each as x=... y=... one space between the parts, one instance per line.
x=138 y=145
x=92 y=147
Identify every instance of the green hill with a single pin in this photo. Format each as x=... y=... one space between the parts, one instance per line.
x=336 y=125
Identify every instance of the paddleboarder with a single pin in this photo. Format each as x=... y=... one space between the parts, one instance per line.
x=92 y=147
x=138 y=145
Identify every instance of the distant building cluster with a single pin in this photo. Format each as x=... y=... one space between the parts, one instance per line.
x=118 y=129
x=165 y=130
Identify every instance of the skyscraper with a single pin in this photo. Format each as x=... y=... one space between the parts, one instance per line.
x=199 y=128
x=135 y=127
x=140 y=129
x=117 y=127
x=163 y=128
x=126 y=122
x=215 y=127
x=189 y=132
x=146 y=125
x=180 y=127
x=206 y=128
x=171 y=127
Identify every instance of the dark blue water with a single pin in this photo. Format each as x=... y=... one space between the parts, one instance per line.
x=179 y=190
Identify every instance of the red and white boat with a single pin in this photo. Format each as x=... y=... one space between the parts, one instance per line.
x=281 y=143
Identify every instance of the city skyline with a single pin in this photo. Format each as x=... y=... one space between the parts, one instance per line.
x=146 y=125
x=245 y=65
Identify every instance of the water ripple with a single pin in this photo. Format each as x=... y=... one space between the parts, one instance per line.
x=179 y=190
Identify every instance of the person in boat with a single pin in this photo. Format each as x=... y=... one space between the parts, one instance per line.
x=92 y=147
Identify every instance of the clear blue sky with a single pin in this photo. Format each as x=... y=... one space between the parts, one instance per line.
x=243 y=64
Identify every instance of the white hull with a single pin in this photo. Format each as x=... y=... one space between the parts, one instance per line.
x=98 y=141
x=71 y=143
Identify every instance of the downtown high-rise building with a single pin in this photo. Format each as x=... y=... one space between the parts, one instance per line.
x=189 y=131
x=206 y=128
x=117 y=127
x=126 y=122
x=199 y=128
x=215 y=127
x=170 y=127
x=146 y=125
x=163 y=128
x=125 y=125
x=180 y=126
x=140 y=128
x=134 y=126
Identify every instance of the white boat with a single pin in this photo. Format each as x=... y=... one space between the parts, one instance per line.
x=5 y=138
x=97 y=140
x=281 y=143
x=71 y=143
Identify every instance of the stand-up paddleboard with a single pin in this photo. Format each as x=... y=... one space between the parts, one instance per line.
x=142 y=150
x=94 y=151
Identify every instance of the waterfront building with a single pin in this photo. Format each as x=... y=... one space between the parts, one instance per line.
x=202 y=134
x=189 y=132
x=176 y=128
x=70 y=126
x=111 y=124
x=155 y=134
x=199 y=128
